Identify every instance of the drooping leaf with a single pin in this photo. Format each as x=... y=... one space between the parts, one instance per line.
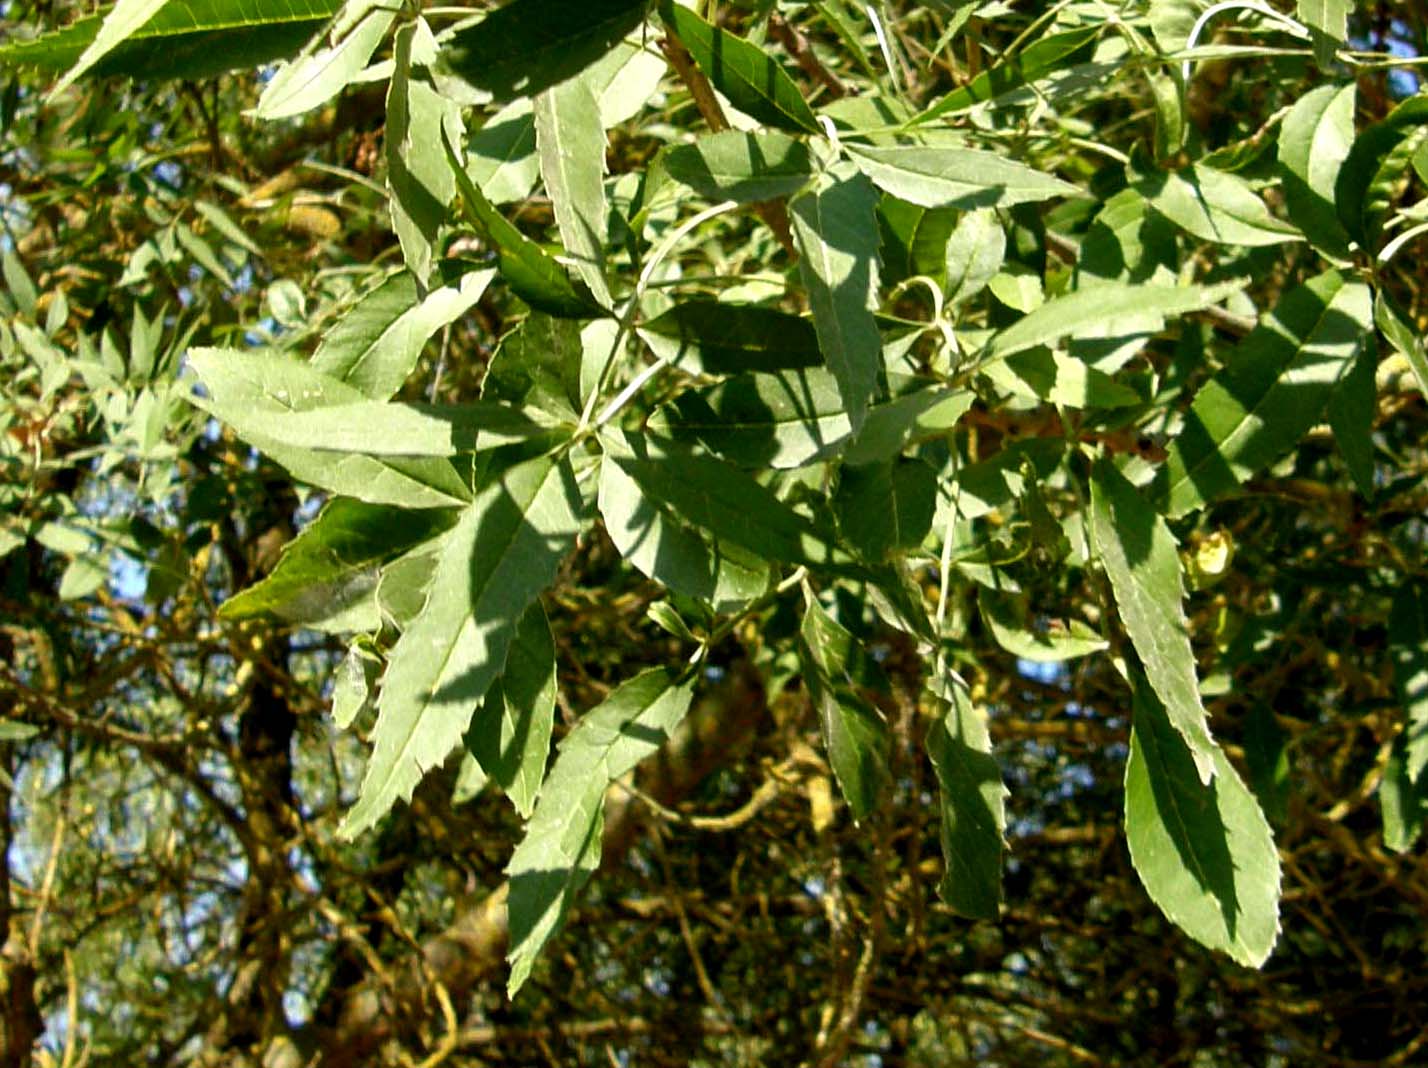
x=1059 y=379
x=1314 y=141
x=1405 y=340
x=352 y=687
x=913 y=239
x=754 y=81
x=836 y=231
x=944 y=176
x=376 y=344
x=1351 y=414
x=975 y=253
x=526 y=46
x=312 y=79
x=1402 y=801
x=538 y=366
x=120 y=23
x=1359 y=206
x=973 y=802
x=1141 y=559
x=502 y=553
x=854 y=734
x=1273 y=389
x=1203 y=850
x=510 y=734
x=561 y=849
x=1266 y=748
x=1328 y=22
x=739 y=165
x=1408 y=642
x=1128 y=242
x=1017 y=630
x=326 y=578
x=707 y=337
x=571 y=143
x=885 y=507
x=1215 y=205
x=660 y=542
x=501 y=156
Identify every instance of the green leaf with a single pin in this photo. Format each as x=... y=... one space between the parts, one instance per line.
x=532 y=275
x=527 y=46
x=1328 y=22
x=1405 y=340
x=717 y=497
x=1408 y=643
x=1401 y=801
x=885 y=507
x=351 y=686
x=1351 y=415
x=1022 y=633
x=18 y=282
x=1272 y=390
x=947 y=176
x=313 y=79
x=1043 y=57
x=1215 y=206
x=854 y=734
x=267 y=397
x=1202 y=849
x=510 y=734
x=1359 y=203
x=501 y=156
x=1141 y=559
x=376 y=344
x=502 y=553
x=1127 y=242
x=836 y=231
x=1059 y=379
x=1266 y=748
x=15 y=731
x=538 y=366
x=975 y=253
x=326 y=578
x=913 y=239
x=561 y=849
x=707 y=337
x=420 y=181
x=660 y=542
x=753 y=80
x=121 y=22
x=571 y=144
x=1314 y=141
x=973 y=802
x=185 y=39
x=742 y=166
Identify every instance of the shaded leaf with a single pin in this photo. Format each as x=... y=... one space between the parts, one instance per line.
x=538 y=366
x=1314 y=141
x=313 y=79
x=1359 y=206
x=945 y=176
x=1408 y=643
x=1042 y=57
x=1017 y=630
x=705 y=336
x=1401 y=801
x=1216 y=206
x=1351 y=414
x=975 y=253
x=885 y=507
x=739 y=165
x=571 y=143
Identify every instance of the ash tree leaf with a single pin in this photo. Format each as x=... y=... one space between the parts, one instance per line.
x=1401 y=801
x=753 y=80
x=570 y=140
x=974 y=255
x=561 y=849
x=1351 y=414
x=1216 y=206
x=1059 y=379
x=835 y=229
x=376 y=344
x=1393 y=325
x=501 y=157
x=1272 y=390
x=326 y=578
x=854 y=734
x=510 y=734
x=526 y=46
x=885 y=507
x=707 y=337
x=972 y=802
x=1127 y=242
x=1328 y=22
x=121 y=22
x=743 y=166
x=1141 y=559
x=1408 y=644
x=1013 y=626
x=1203 y=850
x=1314 y=141
x=1376 y=158
x=1041 y=58
x=420 y=181
x=538 y=365
x=947 y=176
x=493 y=564
x=314 y=78
x=913 y=239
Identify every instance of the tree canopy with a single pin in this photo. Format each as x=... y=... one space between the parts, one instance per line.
x=627 y=532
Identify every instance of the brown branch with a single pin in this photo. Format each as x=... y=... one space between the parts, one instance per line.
x=802 y=52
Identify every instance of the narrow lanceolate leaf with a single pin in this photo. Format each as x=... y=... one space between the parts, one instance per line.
x=510 y=734
x=561 y=849
x=975 y=253
x=1272 y=390
x=538 y=366
x=938 y=176
x=1406 y=341
x=1043 y=57
x=526 y=46
x=493 y=564
x=501 y=155
x=1019 y=630
x=1215 y=205
x=836 y=231
x=1314 y=141
x=973 y=802
x=1402 y=801
x=742 y=166
x=753 y=80
x=1203 y=850
x=122 y=21
x=185 y=39
x=313 y=79
x=326 y=578
x=1059 y=379
x=659 y=542
x=854 y=733
x=1328 y=22
x=420 y=180
x=532 y=275
x=705 y=336
x=1141 y=559
x=376 y=344
x=272 y=402
x=913 y=239
x=1375 y=151
x=571 y=143
x=885 y=508
x=1408 y=642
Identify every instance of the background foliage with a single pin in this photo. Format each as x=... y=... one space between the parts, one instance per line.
x=722 y=533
